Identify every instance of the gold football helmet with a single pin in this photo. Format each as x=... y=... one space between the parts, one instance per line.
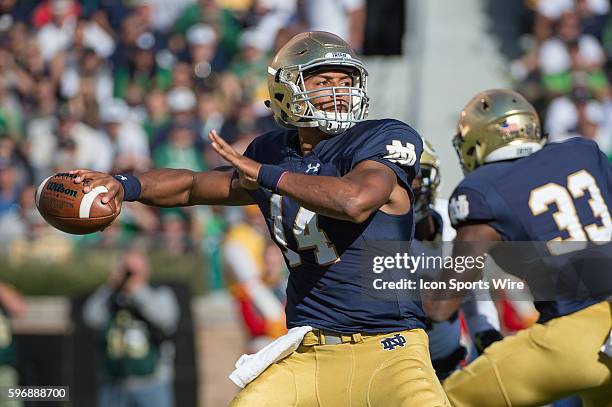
x=292 y=104
x=496 y=125
x=425 y=185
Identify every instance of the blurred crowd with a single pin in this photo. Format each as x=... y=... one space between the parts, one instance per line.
x=129 y=85
x=566 y=68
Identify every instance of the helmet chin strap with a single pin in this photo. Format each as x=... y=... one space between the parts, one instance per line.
x=327 y=123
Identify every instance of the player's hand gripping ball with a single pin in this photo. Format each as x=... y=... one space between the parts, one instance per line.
x=65 y=206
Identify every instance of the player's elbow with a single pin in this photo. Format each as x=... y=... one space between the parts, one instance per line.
x=358 y=209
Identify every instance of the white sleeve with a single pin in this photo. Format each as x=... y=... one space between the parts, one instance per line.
x=590 y=49
x=104 y=88
x=47 y=43
x=599 y=7
x=96 y=38
x=132 y=140
x=553 y=9
x=554 y=57
x=104 y=154
x=352 y=5
x=561 y=118
x=70 y=83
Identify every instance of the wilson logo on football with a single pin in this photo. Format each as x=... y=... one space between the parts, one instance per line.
x=55 y=187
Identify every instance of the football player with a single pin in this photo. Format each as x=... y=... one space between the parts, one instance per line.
x=431 y=225
x=328 y=185
x=519 y=189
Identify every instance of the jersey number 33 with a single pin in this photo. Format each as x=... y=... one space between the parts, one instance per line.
x=566 y=216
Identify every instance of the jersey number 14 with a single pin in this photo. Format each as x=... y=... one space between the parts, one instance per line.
x=307 y=234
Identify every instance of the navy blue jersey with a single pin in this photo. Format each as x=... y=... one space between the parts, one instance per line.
x=560 y=193
x=324 y=254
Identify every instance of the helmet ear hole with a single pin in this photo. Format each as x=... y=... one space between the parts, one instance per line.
x=470 y=151
x=485 y=105
x=279 y=97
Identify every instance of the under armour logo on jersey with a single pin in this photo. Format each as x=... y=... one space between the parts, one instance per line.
x=121 y=177
x=403 y=155
x=314 y=168
x=458 y=208
x=391 y=343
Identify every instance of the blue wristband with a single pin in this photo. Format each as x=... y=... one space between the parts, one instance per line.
x=131 y=187
x=269 y=176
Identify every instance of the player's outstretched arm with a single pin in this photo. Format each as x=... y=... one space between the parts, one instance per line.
x=171 y=187
x=353 y=197
x=472 y=240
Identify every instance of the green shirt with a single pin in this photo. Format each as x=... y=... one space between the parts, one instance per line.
x=228 y=25
x=167 y=156
x=130 y=349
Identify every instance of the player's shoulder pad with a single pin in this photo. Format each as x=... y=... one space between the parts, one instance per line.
x=387 y=139
x=575 y=144
x=270 y=147
x=468 y=202
x=580 y=141
x=386 y=129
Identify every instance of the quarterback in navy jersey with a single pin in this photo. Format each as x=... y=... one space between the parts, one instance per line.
x=329 y=185
x=519 y=189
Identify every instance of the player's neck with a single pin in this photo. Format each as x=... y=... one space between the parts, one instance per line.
x=309 y=137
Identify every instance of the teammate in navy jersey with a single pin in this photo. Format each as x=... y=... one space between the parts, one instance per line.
x=328 y=185
x=519 y=189
x=445 y=347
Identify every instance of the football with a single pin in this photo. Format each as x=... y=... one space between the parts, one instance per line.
x=65 y=206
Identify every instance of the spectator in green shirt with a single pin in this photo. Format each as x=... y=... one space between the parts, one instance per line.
x=209 y=12
x=142 y=69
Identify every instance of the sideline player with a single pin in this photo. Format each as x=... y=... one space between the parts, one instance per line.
x=518 y=190
x=327 y=186
x=433 y=229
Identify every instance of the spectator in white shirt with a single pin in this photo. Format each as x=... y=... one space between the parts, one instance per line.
x=345 y=18
x=128 y=139
x=79 y=146
x=56 y=36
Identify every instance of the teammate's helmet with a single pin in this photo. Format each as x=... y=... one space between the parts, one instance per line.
x=496 y=125
x=292 y=104
x=427 y=182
